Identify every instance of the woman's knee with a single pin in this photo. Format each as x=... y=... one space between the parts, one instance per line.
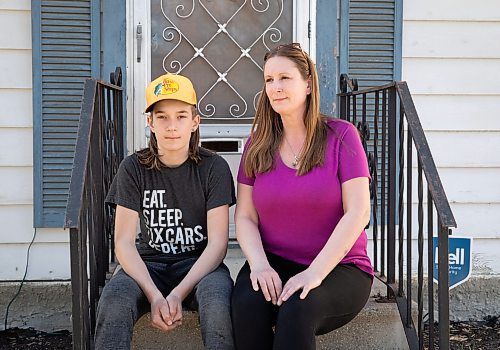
x=300 y=310
x=249 y=304
x=244 y=295
x=314 y=314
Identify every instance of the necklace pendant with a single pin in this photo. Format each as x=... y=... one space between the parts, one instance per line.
x=295 y=158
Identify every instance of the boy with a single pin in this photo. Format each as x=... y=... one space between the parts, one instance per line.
x=181 y=194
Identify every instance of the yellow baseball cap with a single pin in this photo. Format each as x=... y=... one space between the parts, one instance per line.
x=170 y=87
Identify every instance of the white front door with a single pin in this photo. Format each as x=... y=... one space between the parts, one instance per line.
x=220 y=46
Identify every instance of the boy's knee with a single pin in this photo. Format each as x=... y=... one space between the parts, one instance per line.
x=217 y=281
x=116 y=305
x=120 y=296
x=214 y=290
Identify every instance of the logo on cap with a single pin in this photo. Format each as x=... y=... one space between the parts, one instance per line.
x=167 y=87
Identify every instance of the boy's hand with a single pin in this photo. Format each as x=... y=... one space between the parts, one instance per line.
x=175 y=305
x=160 y=315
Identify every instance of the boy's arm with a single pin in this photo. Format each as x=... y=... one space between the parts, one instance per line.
x=209 y=260
x=131 y=262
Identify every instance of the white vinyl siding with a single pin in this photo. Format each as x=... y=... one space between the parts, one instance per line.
x=17 y=227
x=452 y=10
x=19 y=39
x=15 y=70
x=48 y=261
x=467 y=186
x=16 y=115
x=17 y=108
x=452 y=149
x=451 y=39
x=451 y=60
x=24 y=5
x=459 y=113
x=453 y=76
x=49 y=255
x=477 y=217
x=17 y=146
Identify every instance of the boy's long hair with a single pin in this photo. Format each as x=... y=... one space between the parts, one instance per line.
x=267 y=127
x=150 y=158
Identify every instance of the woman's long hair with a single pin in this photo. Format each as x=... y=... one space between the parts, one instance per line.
x=267 y=127
x=150 y=158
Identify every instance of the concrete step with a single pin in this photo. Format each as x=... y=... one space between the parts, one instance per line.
x=378 y=326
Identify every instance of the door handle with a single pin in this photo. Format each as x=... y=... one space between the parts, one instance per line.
x=138 y=37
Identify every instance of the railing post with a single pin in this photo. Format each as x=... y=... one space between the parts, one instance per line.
x=345 y=83
x=409 y=213
x=391 y=223
x=443 y=289
x=375 y=182
x=342 y=103
x=79 y=286
x=430 y=267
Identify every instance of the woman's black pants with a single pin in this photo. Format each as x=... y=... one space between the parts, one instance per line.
x=339 y=298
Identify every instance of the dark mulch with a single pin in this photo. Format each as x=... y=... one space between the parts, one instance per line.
x=30 y=339
x=472 y=335
x=481 y=335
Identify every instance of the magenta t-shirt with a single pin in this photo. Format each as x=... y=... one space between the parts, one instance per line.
x=297 y=214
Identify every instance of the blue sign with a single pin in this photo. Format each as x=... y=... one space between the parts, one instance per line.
x=460 y=260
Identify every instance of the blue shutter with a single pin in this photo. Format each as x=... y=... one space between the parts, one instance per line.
x=373 y=46
x=62 y=59
x=371 y=52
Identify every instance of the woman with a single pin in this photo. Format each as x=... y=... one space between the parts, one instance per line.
x=303 y=202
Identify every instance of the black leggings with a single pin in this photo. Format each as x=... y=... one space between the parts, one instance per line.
x=339 y=298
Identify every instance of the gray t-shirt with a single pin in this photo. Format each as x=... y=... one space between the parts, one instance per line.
x=172 y=203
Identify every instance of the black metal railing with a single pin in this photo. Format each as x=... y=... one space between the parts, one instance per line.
x=392 y=135
x=99 y=151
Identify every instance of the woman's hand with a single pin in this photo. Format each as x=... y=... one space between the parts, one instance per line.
x=307 y=280
x=268 y=280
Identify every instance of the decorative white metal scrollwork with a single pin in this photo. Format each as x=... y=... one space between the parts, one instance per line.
x=274 y=36
x=270 y=34
x=260 y=3
x=169 y=37
x=181 y=8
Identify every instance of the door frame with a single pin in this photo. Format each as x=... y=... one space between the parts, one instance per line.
x=139 y=12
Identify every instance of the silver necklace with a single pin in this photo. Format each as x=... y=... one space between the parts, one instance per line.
x=296 y=159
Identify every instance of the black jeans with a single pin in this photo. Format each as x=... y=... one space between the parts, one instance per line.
x=123 y=302
x=339 y=298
